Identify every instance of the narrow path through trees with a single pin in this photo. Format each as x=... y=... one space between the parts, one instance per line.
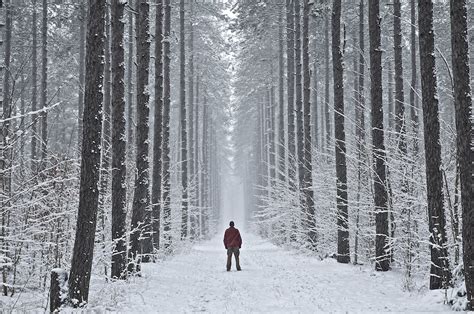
x=272 y=280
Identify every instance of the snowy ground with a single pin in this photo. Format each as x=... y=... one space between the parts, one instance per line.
x=272 y=280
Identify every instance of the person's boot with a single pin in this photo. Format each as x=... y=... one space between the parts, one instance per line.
x=237 y=262
x=229 y=262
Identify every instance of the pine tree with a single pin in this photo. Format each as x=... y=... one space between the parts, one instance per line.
x=290 y=51
x=141 y=234
x=158 y=132
x=465 y=131
x=184 y=132
x=343 y=255
x=166 y=124
x=83 y=251
x=307 y=154
x=119 y=167
x=440 y=274
x=382 y=262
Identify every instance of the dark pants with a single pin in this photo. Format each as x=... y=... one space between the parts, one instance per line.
x=236 y=252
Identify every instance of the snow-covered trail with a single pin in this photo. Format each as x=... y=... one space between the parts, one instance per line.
x=272 y=280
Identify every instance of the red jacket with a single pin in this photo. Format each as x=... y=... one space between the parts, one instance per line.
x=232 y=238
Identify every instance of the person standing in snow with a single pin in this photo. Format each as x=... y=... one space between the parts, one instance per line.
x=232 y=243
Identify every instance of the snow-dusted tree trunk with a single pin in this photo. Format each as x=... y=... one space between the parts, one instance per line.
x=166 y=124
x=382 y=262
x=281 y=94
x=465 y=131
x=360 y=125
x=5 y=136
x=82 y=59
x=290 y=52
x=440 y=273
x=343 y=255
x=307 y=154
x=191 y=122
x=119 y=167
x=129 y=81
x=83 y=252
x=140 y=234
x=414 y=74
x=34 y=90
x=158 y=132
x=44 y=84
x=399 y=93
x=184 y=131
x=299 y=96
x=327 y=123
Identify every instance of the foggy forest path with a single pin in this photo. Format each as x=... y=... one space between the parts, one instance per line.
x=272 y=280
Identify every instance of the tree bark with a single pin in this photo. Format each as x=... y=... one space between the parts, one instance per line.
x=343 y=255
x=326 y=83
x=382 y=262
x=141 y=234
x=44 y=85
x=184 y=132
x=90 y=164
x=281 y=101
x=399 y=93
x=34 y=90
x=465 y=131
x=158 y=132
x=299 y=96
x=308 y=162
x=290 y=51
x=440 y=274
x=166 y=125
x=82 y=58
x=414 y=73
x=119 y=144
x=191 y=122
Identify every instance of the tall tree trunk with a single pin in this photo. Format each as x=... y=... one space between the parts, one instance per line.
x=281 y=101
x=413 y=99
x=326 y=83
x=34 y=90
x=197 y=162
x=315 y=93
x=5 y=143
x=290 y=51
x=44 y=84
x=205 y=172
x=465 y=131
x=184 y=132
x=158 y=132
x=130 y=67
x=141 y=234
x=360 y=126
x=119 y=144
x=343 y=255
x=82 y=59
x=382 y=260
x=299 y=96
x=399 y=93
x=106 y=157
x=191 y=142
x=440 y=274
x=166 y=125
x=83 y=252
x=308 y=162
